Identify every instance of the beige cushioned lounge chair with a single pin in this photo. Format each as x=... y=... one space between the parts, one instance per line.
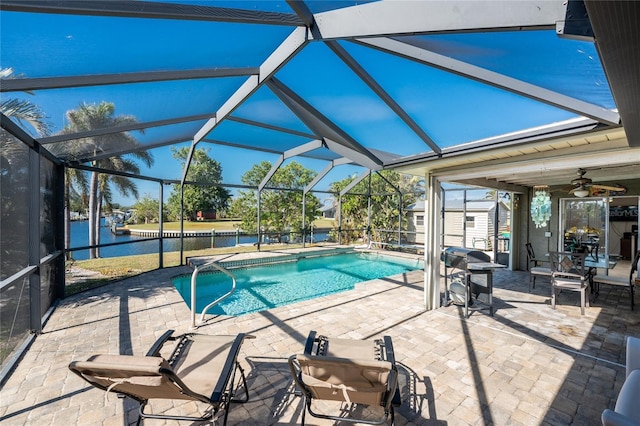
x=349 y=371
x=200 y=368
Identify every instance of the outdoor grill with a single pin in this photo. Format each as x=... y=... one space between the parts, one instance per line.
x=459 y=258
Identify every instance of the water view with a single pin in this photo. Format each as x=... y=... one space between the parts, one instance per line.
x=80 y=238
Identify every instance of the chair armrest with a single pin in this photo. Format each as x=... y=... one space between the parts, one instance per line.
x=388 y=350
x=155 y=349
x=536 y=261
x=570 y=275
x=633 y=355
x=296 y=374
x=627 y=402
x=308 y=346
x=611 y=418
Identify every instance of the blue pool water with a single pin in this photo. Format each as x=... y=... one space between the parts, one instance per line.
x=269 y=286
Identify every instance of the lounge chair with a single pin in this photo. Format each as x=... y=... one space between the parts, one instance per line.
x=200 y=368
x=348 y=371
x=619 y=281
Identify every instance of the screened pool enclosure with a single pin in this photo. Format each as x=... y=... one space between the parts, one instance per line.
x=497 y=95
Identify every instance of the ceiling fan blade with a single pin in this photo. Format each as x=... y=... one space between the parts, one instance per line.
x=567 y=188
x=608 y=188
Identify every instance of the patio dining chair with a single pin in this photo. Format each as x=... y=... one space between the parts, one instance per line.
x=355 y=372
x=535 y=266
x=619 y=281
x=569 y=272
x=200 y=368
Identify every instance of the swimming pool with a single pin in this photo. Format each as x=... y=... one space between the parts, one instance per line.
x=271 y=285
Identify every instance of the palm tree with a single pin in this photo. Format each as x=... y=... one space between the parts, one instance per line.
x=91 y=116
x=13 y=170
x=75 y=183
x=24 y=111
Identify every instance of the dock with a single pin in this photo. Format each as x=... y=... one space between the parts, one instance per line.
x=117 y=230
x=154 y=233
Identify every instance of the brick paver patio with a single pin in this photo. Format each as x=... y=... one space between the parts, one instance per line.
x=528 y=364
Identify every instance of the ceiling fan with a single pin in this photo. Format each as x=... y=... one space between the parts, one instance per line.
x=583 y=186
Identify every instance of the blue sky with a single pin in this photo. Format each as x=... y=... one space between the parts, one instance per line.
x=451 y=109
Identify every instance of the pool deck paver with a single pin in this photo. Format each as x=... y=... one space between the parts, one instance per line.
x=528 y=364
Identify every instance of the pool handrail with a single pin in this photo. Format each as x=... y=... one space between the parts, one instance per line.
x=194 y=278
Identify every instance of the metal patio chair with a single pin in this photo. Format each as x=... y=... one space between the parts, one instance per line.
x=535 y=268
x=569 y=272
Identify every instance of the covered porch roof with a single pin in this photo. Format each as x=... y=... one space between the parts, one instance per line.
x=554 y=161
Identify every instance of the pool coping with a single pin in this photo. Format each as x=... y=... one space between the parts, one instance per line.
x=240 y=260
x=230 y=263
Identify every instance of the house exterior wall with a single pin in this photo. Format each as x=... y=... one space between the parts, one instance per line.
x=329 y=213
x=415 y=226
x=478 y=235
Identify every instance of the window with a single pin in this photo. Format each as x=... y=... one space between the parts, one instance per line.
x=471 y=222
x=420 y=220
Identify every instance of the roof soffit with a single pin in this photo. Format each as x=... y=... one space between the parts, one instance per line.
x=552 y=162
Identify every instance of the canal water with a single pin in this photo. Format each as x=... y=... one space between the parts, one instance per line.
x=80 y=238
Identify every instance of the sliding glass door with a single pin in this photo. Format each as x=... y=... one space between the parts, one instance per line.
x=583 y=224
x=603 y=226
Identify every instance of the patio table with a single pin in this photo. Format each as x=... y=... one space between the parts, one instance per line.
x=601 y=262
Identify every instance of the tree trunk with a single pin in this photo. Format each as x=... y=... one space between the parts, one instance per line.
x=98 y=210
x=93 y=192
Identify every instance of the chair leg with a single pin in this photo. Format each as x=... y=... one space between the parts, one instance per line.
x=582 y=301
x=532 y=282
x=232 y=391
x=139 y=421
x=553 y=298
x=226 y=415
x=587 y=299
x=304 y=407
x=244 y=384
x=631 y=291
x=392 y=415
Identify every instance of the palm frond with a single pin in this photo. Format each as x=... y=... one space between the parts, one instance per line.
x=24 y=111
